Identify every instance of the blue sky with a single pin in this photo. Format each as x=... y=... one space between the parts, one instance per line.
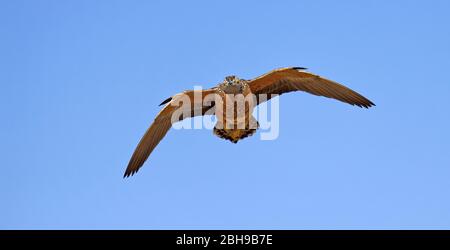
x=81 y=81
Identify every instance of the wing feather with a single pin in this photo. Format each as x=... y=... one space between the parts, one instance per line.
x=161 y=125
x=286 y=80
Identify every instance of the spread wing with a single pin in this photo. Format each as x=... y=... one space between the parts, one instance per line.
x=286 y=80
x=163 y=122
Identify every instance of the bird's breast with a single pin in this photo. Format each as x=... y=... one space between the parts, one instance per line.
x=235 y=105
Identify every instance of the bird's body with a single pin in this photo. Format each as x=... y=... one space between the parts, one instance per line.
x=233 y=101
x=234 y=120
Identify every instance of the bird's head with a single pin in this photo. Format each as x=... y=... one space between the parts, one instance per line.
x=231 y=80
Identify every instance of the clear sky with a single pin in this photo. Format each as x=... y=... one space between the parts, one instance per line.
x=82 y=80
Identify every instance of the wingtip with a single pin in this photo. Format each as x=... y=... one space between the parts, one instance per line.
x=368 y=105
x=128 y=174
x=371 y=104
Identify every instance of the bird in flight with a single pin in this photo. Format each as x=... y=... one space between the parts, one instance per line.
x=237 y=123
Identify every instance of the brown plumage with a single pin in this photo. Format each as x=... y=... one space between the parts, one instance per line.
x=286 y=80
x=276 y=82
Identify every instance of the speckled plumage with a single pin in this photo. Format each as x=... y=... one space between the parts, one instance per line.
x=235 y=126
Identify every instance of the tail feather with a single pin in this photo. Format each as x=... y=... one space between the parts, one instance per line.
x=234 y=135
